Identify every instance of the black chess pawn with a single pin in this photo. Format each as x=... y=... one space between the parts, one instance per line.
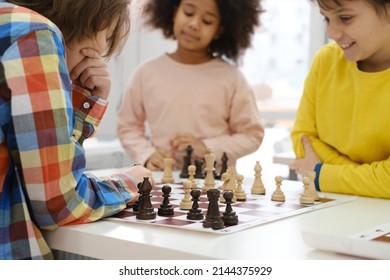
x=224 y=160
x=186 y=162
x=146 y=210
x=229 y=217
x=166 y=208
x=195 y=213
x=213 y=216
x=199 y=168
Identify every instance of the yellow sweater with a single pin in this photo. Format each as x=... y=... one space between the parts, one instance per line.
x=346 y=114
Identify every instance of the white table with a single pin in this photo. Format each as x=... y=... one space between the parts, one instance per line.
x=278 y=240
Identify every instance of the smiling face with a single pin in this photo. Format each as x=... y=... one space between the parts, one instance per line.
x=196 y=24
x=362 y=32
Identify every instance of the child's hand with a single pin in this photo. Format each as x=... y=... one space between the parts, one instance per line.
x=92 y=73
x=156 y=160
x=181 y=140
x=138 y=172
x=309 y=161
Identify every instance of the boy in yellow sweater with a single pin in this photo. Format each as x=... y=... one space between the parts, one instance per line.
x=342 y=130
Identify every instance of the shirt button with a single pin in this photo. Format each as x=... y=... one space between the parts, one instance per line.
x=86 y=105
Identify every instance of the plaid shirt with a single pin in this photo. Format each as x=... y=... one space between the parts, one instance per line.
x=43 y=122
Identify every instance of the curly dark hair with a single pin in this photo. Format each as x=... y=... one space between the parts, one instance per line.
x=239 y=18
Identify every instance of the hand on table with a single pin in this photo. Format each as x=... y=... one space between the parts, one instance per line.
x=138 y=172
x=309 y=161
x=156 y=160
x=181 y=140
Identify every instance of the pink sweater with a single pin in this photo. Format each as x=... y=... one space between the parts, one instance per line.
x=212 y=100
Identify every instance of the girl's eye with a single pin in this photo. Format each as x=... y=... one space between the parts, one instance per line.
x=326 y=19
x=188 y=14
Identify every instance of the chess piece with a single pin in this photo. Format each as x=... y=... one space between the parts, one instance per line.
x=229 y=182
x=146 y=210
x=209 y=182
x=195 y=212
x=168 y=167
x=217 y=176
x=312 y=177
x=239 y=192
x=278 y=195
x=166 y=208
x=138 y=201
x=186 y=162
x=224 y=161
x=186 y=203
x=307 y=196
x=198 y=169
x=191 y=176
x=257 y=187
x=229 y=217
x=213 y=216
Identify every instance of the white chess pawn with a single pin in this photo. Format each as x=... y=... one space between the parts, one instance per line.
x=312 y=188
x=240 y=193
x=306 y=197
x=191 y=175
x=257 y=187
x=278 y=195
x=168 y=167
x=186 y=202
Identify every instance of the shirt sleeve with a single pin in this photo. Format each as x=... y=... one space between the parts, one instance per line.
x=305 y=124
x=50 y=159
x=88 y=110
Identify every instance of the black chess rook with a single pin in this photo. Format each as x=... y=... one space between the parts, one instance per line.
x=213 y=216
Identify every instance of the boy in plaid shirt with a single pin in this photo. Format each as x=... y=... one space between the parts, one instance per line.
x=52 y=97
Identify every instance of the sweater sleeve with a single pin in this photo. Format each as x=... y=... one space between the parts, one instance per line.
x=364 y=179
x=305 y=123
x=246 y=130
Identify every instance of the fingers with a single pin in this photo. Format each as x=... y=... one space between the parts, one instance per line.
x=181 y=140
x=90 y=52
x=93 y=73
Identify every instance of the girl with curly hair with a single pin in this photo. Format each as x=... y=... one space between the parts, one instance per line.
x=195 y=95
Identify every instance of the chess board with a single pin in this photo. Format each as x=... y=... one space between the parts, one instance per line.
x=256 y=210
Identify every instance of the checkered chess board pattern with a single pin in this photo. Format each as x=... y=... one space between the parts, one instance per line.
x=256 y=210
